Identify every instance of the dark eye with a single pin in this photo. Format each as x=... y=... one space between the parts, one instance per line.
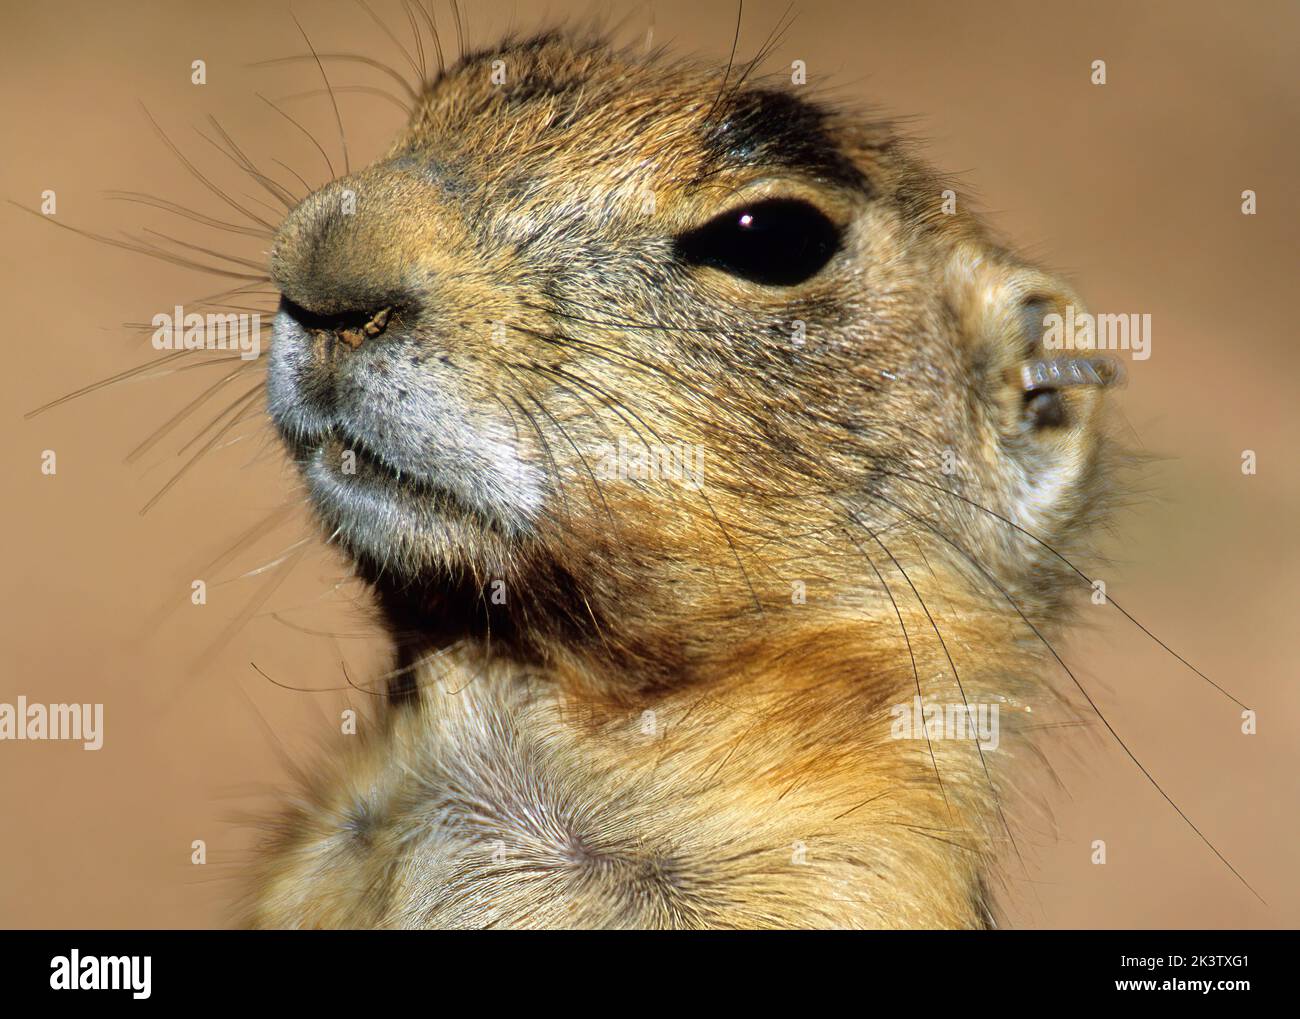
x=778 y=242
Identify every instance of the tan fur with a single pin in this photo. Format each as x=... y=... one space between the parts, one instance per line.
x=652 y=731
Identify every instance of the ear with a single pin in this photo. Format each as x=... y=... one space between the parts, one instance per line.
x=1043 y=410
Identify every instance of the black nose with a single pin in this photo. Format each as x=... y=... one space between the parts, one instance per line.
x=351 y=328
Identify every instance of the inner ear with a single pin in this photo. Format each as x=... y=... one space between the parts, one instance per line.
x=1045 y=408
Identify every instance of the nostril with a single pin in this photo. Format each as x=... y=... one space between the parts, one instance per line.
x=350 y=327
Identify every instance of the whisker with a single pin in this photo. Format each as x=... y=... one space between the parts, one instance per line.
x=1088 y=580
x=269 y=586
x=997 y=800
x=141 y=248
x=244 y=290
x=121 y=376
x=265 y=205
x=460 y=29
x=306 y=188
x=310 y=137
x=731 y=61
x=198 y=175
x=419 y=74
x=600 y=493
x=247 y=263
x=338 y=118
x=180 y=210
x=156 y=436
x=654 y=370
x=251 y=394
x=268 y=566
x=234 y=153
x=353 y=57
x=1069 y=672
x=265 y=525
x=625 y=414
x=546 y=452
x=773 y=40
x=279 y=618
x=432 y=22
x=419 y=41
x=916 y=674
x=366 y=89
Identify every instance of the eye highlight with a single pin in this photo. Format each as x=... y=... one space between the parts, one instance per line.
x=776 y=242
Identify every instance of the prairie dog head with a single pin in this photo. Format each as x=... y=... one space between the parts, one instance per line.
x=609 y=354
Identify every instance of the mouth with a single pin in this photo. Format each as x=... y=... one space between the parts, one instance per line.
x=423 y=519
x=415 y=539
x=351 y=460
x=361 y=492
x=406 y=463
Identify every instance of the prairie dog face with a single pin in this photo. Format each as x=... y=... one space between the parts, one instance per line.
x=606 y=352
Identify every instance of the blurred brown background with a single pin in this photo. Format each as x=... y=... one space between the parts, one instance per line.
x=1132 y=189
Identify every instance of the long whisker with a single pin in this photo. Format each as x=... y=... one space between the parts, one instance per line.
x=338 y=118
x=142 y=248
x=247 y=263
x=623 y=359
x=618 y=407
x=916 y=674
x=198 y=175
x=265 y=525
x=266 y=567
x=378 y=65
x=997 y=800
x=310 y=137
x=731 y=61
x=180 y=210
x=551 y=417
x=1088 y=580
x=546 y=452
x=564 y=432
x=460 y=29
x=600 y=494
x=432 y=22
x=315 y=689
x=419 y=73
x=238 y=410
x=241 y=159
x=1060 y=661
x=243 y=400
x=250 y=609
x=154 y=438
x=773 y=40
x=418 y=39
x=121 y=376
x=306 y=188
x=366 y=89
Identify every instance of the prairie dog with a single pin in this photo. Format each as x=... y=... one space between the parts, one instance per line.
x=691 y=444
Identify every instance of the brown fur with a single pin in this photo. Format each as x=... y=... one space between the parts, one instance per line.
x=519 y=781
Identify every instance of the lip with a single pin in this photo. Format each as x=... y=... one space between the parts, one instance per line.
x=371 y=482
x=398 y=530
x=371 y=465
x=384 y=466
